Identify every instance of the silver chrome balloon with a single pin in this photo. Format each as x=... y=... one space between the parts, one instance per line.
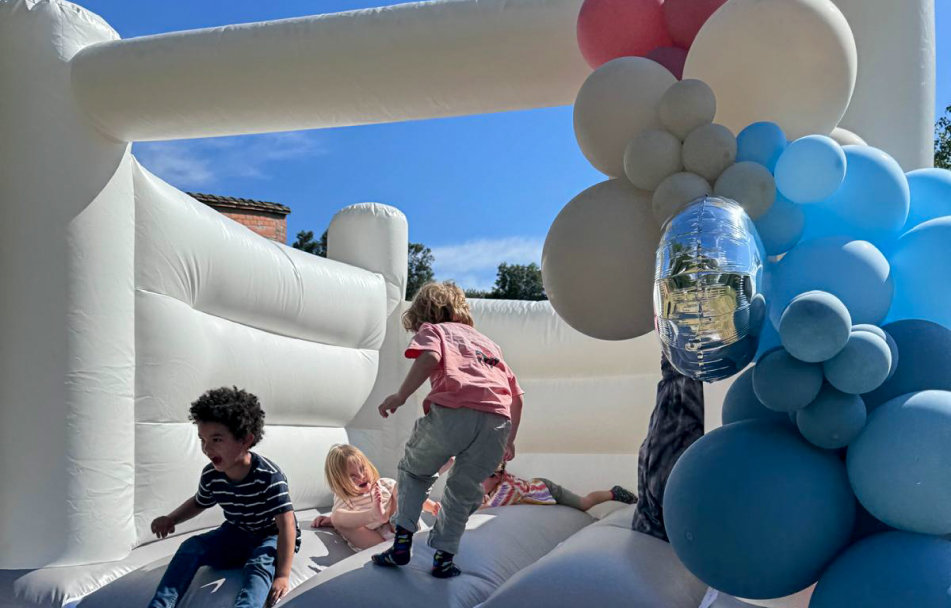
x=708 y=289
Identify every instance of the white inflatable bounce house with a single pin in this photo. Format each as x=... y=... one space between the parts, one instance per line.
x=124 y=299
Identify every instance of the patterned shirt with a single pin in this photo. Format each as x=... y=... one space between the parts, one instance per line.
x=514 y=490
x=253 y=503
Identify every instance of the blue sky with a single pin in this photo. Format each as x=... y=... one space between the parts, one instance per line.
x=478 y=190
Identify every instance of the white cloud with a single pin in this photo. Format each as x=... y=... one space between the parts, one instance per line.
x=198 y=163
x=474 y=264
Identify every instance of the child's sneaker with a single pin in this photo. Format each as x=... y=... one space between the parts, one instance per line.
x=622 y=495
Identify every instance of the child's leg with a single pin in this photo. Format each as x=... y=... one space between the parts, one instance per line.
x=568 y=498
x=362 y=537
x=426 y=451
x=258 y=574
x=206 y=549
x=677 y=421
x=484 y=437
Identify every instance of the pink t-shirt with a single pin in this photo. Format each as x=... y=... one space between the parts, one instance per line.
x=471 y=372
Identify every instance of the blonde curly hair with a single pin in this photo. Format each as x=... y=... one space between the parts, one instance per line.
x=438 y=302
x=337 y=474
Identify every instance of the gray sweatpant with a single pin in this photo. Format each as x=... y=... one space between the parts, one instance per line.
x=477 y=440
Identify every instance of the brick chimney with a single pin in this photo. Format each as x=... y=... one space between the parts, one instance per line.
x=265 y=218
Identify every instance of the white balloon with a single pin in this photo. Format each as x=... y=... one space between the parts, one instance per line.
x=792 y=62
x=598 y=261
x=615 y=103
x=751 y=185
x=685 y=106
x=675 y=192
x=844 y=137
x=709 y=150
x=651 y=157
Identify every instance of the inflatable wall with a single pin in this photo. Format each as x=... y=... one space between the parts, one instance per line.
x=124 y=299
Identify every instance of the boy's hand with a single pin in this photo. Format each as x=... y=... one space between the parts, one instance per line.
x=322 y=521
x=391 y=404
x=509 y=452
x=279 y=589
x=163 y=526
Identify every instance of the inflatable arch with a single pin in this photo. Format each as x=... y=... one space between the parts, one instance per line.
x=138 y=298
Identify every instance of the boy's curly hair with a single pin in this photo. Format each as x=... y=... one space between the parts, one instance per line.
x=437 y=303
x=233 y=407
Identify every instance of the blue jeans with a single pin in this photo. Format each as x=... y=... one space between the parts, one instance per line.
x=224 y=548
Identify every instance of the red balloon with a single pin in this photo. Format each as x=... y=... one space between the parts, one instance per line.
x=685 y=18
x=671 y=57
x=608 y=29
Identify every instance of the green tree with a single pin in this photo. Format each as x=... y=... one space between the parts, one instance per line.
x=419 y=269
x=942 y=141
x=305 y=242
x=514 y=282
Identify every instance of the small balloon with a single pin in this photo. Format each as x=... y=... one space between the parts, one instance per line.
x=651 y=157
x=671 y=57
x=686 y=106
x=786 y=384
x=740 y=403
x=811 y=169
x=709 y=150
x=833 y=420
x=751 y=185
x=861 y=366
x=675 y=192
x=761 y=142
x=815 y=326
x=892 y=347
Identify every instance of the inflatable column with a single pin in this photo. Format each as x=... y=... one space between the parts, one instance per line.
x=66 y=306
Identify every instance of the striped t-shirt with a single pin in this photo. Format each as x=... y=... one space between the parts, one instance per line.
x=253 y=503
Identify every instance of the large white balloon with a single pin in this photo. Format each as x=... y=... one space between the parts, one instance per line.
x=792 y=62
x=615 y=103
x=598 y=261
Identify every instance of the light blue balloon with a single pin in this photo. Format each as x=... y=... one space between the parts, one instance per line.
x=898 y=465
x=833 y=420
x=919 y=269
x=781 y=227
x=862 y=366
x=811 y=169
x=886 y=571
x=853 y=271
x=892 y=347
x=874 y=197
x=786 y=384
x=930 y=196
x=761 y=142
x=755 y=511
x=815 y=326
x=740 y=403
x=925 y=362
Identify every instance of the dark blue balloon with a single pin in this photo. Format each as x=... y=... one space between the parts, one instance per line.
x=754 y=511
x=899 y=464
x=833 y=420
x=815 y=326
x=786 y=384
x=881 y=333
x=925 y=363
x=740 y=403
x=890 y=570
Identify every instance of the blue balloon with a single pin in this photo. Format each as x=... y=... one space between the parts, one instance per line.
x=892 y=347
x=898 y=465
x=918 y=265
x=925 y=362
x=811 y=169
x=768 y=340
x=887 y=571
x=740 y=403
x=761 y=142
x=786 y=384
x=853 y=271
x=930 y=196
x=874 y=197
x=833 y=420
x=866 y=524
x=815 y=326
x=754 y=511
x=781 y=227
x=862 y=366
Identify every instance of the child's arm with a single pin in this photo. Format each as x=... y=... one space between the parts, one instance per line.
x=516 y=410
x=164 y=525
x=346 y=518
x=286 y=539
x=422 y=367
